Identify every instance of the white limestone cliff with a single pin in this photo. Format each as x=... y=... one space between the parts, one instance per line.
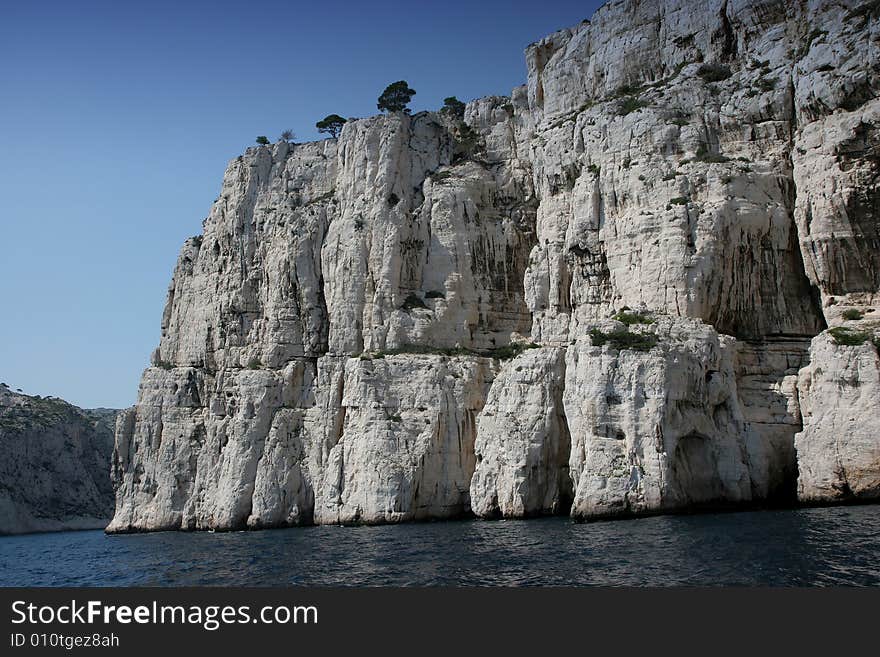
x=659 y=429
x=350 y=339
x=838 y=449
x=523 y=445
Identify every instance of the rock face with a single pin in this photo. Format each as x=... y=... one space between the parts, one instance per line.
x=55 y=465
x=523 y=442
x=336 y=439
x=839 y=447
x=656 y=430
x=422 y=318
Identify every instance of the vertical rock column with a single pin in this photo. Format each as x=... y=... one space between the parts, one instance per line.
x=522 y=445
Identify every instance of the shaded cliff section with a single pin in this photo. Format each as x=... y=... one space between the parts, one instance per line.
x=54 y=464
x=413 y=321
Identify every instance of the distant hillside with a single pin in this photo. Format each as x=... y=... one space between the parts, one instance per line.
x=54 y=464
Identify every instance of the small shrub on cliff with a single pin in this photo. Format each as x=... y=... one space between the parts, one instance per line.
x=630 y=105
x=714 y=158
x=631 y=318
x=509 y=351
x=413 y=301
x=440 y=176
x=263 y=140
x=679 y=200
x=622 y=340
x=254 y=363
x=848 y=337
x=704 y=155
x=628 y=90
x=288 y=135
x=505 y=352
x=164 y=364
x=852 y=314
x=714 y=72
x=766 y=84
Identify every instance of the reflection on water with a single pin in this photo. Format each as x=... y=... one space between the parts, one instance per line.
x=830 y=546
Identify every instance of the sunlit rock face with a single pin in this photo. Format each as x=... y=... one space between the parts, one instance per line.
x=838 y=449
x=421 y=319
x=523 y=442
x=659 y=429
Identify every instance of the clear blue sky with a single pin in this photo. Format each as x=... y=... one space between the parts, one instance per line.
x=117 y=120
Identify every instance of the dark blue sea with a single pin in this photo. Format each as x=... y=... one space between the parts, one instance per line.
x=804 y=547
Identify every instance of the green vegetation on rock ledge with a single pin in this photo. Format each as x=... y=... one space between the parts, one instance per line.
x=630 y=318
x=714 y=72
x=630 y=105
x=623 y=339
x=850 y=338
x=510 y=350
x=505 y=352
x=704 y=155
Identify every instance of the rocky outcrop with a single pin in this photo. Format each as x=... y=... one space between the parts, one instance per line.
x=422 y=318
x=839 y=449
x=406 y=443
x=523 y=442
x=337 y=440
x=657 y=429
x=55 y=465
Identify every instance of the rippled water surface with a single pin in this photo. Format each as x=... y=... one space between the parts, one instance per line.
x=830 y=546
